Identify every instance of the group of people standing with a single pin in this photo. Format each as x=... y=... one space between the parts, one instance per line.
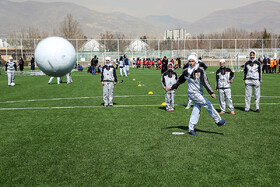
x=155 y=63
x=123 y=64
x=195 y=73
x=270 y=65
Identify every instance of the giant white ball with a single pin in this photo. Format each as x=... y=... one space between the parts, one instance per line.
x=55 y=56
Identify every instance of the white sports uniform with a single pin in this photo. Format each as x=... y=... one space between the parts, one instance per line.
x=108 y=76
x=10 y=68
x=252 y=75
x=52 y=77
x=202 y=65
x=122 y=68
x=167 y=80
x=68 y=78
x=224 y=78
x=196 y=77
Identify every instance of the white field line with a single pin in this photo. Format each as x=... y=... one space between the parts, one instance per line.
x=115 y=106
x=117 y=96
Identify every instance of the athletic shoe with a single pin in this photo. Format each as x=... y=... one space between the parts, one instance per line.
x=246 y=111
x=221 y=123
x=192 y=133
x=258 y=111
x=188 y=107
x=221 y=112
x=233 y=113
x=110 y=105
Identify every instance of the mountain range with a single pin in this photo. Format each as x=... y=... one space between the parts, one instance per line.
x=47 y=17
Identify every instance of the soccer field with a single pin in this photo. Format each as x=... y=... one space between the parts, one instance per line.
x=61 y=135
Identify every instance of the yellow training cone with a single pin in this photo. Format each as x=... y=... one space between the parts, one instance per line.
x=139 y=85
x=133 y=79
x=150 y=93
x=163 y=104
x=128 y=73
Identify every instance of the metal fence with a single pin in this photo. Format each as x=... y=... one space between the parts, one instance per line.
x=234 y=50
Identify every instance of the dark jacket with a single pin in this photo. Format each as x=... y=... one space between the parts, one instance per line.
x=94 y=62
x=164 y=65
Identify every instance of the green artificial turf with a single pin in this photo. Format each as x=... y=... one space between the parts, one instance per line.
x=75 y=141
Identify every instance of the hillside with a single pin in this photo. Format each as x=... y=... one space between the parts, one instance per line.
x=16 y=16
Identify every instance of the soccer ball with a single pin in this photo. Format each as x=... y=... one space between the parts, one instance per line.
x=55 y=56
x=13 y=84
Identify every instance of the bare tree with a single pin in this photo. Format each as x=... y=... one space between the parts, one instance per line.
x=25 y=39
x=113 y=42
x=70 y=28
x=107 y=40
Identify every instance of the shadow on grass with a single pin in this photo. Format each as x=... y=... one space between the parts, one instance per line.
x=185 y=128
x=242 y=108
x=183 y=105
x=102 y=104
x=162 y=108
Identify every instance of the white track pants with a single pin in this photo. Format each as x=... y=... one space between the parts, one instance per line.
x=169 y=100
x=127 y=68
x=225 y=99
x=11 y=76
x=108 y=91
x=189 y=102
x=122 y=70
x=68 y=78
x=189 y=99
x=58 y=80
x=198 y=102
x=249 y=86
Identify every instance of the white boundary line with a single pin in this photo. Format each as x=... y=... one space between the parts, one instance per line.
x=115 y=106
x=118 y=96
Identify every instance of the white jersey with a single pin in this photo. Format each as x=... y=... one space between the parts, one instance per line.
x=121 y=63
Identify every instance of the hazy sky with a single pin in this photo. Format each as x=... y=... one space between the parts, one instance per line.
x=183 y=9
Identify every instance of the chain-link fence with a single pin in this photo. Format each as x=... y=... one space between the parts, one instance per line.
x=235 y=51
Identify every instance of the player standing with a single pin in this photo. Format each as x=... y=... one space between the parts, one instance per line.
x=167 y=80
x=108 y=80
x=10 y=69
x=252 y=76
x=224 y=79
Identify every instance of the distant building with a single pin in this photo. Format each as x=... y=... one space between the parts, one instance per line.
x=176 y=34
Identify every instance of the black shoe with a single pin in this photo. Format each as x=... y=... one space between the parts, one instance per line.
x=258 y=111
x=221 y=123
x=246 y=111
x=192 y=133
